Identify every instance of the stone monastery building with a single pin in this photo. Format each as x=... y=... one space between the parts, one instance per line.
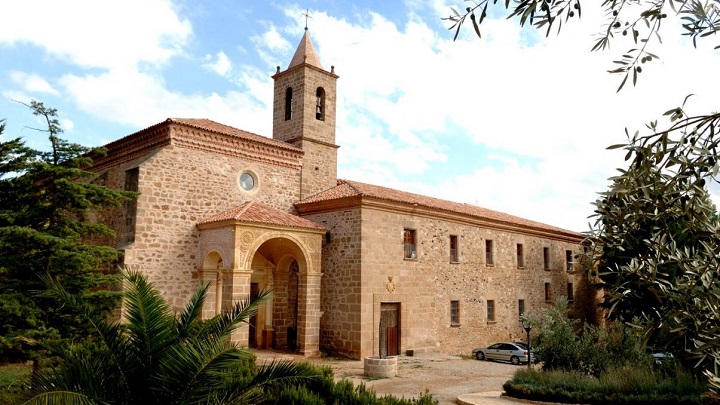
x=355 y=269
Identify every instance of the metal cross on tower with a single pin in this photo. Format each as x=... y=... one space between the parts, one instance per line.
x=307 y=15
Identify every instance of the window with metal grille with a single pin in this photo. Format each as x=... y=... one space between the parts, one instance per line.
x=409 y=243
x=548 y=293
x=520 y=256
x=454 y=254
x=489 y=252
x=546 y=258
x=491 y=310
x=521 y=308
x=569 y=260
x=570 y=292
x=454 y=312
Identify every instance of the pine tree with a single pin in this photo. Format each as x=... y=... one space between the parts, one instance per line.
x=45 y=201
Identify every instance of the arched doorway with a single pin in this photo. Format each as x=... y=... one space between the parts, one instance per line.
x=289 y=318
x=284 y=256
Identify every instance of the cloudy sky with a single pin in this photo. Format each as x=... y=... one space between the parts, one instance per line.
x=514 y=121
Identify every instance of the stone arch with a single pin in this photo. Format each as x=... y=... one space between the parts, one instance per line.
x=320 y=104
x=288 y=103
x=213 y=260
x=212 y=273
x=277 y=324
x=292 y=247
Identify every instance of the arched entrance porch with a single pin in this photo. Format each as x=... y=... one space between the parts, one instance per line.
x=241 y=255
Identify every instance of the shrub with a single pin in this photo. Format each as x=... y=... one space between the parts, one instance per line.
x=625 y=385
x=324 y=390
x=567 y=344
x=12 y=379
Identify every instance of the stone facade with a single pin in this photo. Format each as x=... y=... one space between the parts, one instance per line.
x=365 y=266
x=355 y=269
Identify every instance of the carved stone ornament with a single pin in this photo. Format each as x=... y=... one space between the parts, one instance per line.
x=390 y=286
x=246 y=239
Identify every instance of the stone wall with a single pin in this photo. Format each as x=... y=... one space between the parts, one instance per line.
x=304 y=80
x=341 y=329
x=319 y=171
x=180 y=187
x=425 y=286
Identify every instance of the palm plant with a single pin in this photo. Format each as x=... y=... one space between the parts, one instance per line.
x=155 y=357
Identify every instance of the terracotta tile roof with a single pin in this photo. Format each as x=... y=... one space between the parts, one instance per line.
x=305 y=53
x=212 y=126
x=256 y=212
x=347 y=188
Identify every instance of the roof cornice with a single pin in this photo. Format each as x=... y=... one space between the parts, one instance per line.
x=367 y=202
x=191 y=134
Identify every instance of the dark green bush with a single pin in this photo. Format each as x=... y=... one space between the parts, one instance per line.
x=325 y=391
x=567 y=344
x=625 y=385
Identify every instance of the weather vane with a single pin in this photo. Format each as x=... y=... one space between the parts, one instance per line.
x=307 y=15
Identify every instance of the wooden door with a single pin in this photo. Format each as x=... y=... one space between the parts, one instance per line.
x=390 y=329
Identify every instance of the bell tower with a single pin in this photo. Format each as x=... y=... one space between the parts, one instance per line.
x=304 y=116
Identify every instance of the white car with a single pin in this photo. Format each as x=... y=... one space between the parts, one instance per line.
x=514 y=352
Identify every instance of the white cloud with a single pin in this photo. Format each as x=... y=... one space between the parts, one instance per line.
x=536 y=112
x=147 y=101
x=101 y=34
x=67 y=125
x=32 y=83
x=550 y=100
x=219 y=64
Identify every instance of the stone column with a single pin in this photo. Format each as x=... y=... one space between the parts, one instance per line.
x=309 y=314
x=240 y=290
x=218 y=292
x=210 y=307
x=268 y=331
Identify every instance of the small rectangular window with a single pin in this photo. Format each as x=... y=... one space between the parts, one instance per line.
x=546 y=258
x=491 y=310
x=489 y=252
x=548 y=294
x=570 y=292
x=410 y=251
x=520 y=256
x=521 y=308
x=569 y=260
x=454 y=253
x=454 y=313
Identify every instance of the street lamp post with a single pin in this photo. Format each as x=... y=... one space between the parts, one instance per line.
x=527 y=325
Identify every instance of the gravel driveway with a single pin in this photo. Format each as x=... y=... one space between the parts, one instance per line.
x=445 y=377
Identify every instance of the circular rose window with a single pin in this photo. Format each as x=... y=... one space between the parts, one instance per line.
x=247 y=181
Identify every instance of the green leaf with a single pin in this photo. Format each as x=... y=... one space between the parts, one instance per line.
x=622 y=83
x=475 y=26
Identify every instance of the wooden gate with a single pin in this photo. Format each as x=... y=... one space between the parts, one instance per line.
x=390 y=329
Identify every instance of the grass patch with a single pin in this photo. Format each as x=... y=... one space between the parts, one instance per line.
x=625 y=385
x=466 y=356
x=12 y=376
